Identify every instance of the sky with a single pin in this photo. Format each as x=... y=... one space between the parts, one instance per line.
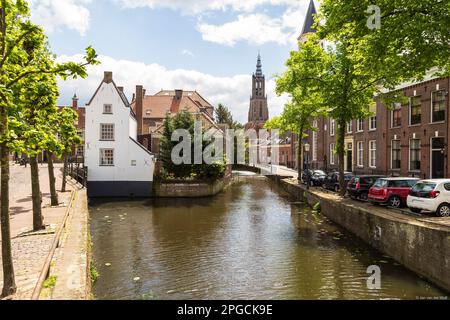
x=206 y=45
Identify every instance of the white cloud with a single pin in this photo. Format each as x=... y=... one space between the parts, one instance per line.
x=232 y=91
x=194 y=7
x=53 y=14
x=186 y=52
x=257 y=28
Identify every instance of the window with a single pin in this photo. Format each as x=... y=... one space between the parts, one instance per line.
x=107 y=109
x=315 y=143
x=360 y=125
x=438 y=103
x=415 y=111
x=360 y=161
x=396 y=154
x=107 y=132
x=396 y=115
x=106 y=157
x=350 y=127
x=332 y=127
x=372 y=154
x=373 y=123
x=414 y=154
x=80 y=151
x=332 y=155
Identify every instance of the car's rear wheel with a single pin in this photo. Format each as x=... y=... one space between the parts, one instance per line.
x=443 y=210
x=395 y=202
x=416 y=210
x=364 y=196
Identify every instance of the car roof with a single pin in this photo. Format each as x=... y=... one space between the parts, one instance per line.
x=400 y=179
x=438 y=181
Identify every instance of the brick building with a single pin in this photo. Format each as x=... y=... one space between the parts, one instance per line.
x=151 y=110
x=409 y=138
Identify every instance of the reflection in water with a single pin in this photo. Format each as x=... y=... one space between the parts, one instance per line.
x=251 y=242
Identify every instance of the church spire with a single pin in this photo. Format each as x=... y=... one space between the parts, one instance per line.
x=309 y=25
x=259 y=72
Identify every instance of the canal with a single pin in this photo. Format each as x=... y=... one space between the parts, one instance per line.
x=251 y=242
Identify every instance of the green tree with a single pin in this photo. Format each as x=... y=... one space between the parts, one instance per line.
x=302 y=81
x=224 y=116
x=347 y=94
x=411 y=38
x=38 y=94
x=68 y=138
x=23 y=50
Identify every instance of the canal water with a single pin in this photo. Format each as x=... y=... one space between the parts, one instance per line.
x=251 y=242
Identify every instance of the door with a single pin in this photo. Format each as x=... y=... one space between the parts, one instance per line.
x=438 y=158
x=350 y=157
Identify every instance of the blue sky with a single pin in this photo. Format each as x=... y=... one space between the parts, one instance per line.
x=204 y=45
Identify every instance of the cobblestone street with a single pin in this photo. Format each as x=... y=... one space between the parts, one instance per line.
x=31 y=250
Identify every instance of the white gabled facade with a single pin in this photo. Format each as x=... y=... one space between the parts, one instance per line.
x=118 y=166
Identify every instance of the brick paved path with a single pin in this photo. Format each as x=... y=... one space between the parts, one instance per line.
x=31 y=250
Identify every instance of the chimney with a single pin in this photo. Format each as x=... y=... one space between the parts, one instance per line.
x=178 y=94
x=140 y=108
x=75 y=102
x=108 y=78
x=134 y=97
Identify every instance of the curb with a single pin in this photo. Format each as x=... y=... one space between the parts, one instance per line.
x=46 y=269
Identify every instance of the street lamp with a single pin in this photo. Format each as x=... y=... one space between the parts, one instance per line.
x=308 y=174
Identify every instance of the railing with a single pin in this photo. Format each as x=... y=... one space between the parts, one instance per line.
x=78 y=172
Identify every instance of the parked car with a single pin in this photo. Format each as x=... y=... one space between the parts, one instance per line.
x=432 y=196
x=331 y=182
x=391 y=191
x=317 y=177
x=358 y=187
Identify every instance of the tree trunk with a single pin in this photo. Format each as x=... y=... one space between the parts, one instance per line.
x=52 y=180
x=64 y=178
x=38 y=221
x=341 y=156
x=9 y=282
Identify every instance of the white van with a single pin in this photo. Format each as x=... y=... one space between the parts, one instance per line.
x=431 y=196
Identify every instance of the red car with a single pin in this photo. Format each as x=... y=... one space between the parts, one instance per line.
x=391 y=191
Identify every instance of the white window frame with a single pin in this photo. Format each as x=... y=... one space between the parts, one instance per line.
x=372 y=153
x=395 y=106
x=360 y=154
x=392 y=154
x=360 y=125
x=315 y=143
x=409 y=155
x=102 y=155
x=350 y=127
x=109 y=106
x=332 y=127
x=113 y=131
x=410 y=111
x=432 y=107
x=371 y=127
x=332 y=159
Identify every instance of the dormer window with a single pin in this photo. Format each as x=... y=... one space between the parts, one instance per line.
x=107 y=109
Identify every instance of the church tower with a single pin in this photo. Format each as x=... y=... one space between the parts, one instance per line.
x=309 y=26
x=259 y=111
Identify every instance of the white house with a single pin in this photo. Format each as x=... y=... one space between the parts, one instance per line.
x=118 y=166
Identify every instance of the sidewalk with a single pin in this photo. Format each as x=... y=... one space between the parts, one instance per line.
x=30 y=250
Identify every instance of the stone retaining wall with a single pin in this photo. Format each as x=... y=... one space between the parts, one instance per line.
x=422 y=247
x=188 y=189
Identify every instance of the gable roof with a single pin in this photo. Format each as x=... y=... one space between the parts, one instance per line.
x=108 y=79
